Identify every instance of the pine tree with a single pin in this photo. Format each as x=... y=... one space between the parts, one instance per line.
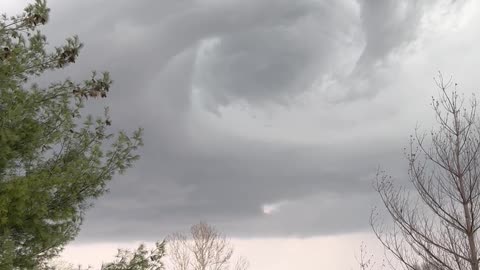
x=54 y=159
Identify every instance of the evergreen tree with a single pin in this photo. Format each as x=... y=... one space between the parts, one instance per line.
x=54 y=159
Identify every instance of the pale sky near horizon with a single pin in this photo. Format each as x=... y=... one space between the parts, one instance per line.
x=313 y=253
x=265 y=118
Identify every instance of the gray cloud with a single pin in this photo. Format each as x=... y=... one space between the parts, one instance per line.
x=273 y=63
x=266 y=52
x=387 y=26
x=229 y=186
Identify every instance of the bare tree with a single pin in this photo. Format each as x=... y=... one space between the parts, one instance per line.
x=241 y=264
x=436 y=226
x=179 y=251
x=366 y=260
x=207 y=249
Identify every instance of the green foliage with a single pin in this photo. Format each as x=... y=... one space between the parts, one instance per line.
x=54 y=160
x=139 y=259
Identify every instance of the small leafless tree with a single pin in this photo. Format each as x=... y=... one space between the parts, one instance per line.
x=437 y=225
x=366 y=260
x=207 y=249
x=241 y=264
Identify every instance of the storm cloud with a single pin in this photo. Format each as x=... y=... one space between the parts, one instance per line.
x=266 y=118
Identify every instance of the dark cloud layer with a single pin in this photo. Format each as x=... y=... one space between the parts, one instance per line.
x=257 y=52
x=274 y=62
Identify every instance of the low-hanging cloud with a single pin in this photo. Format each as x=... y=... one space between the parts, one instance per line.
x=257 y=52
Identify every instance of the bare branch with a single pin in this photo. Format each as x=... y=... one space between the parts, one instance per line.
x=437 y=228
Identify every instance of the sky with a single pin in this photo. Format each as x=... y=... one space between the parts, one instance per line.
x=265 y=118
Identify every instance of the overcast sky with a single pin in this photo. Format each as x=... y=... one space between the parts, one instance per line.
x=266 y=118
